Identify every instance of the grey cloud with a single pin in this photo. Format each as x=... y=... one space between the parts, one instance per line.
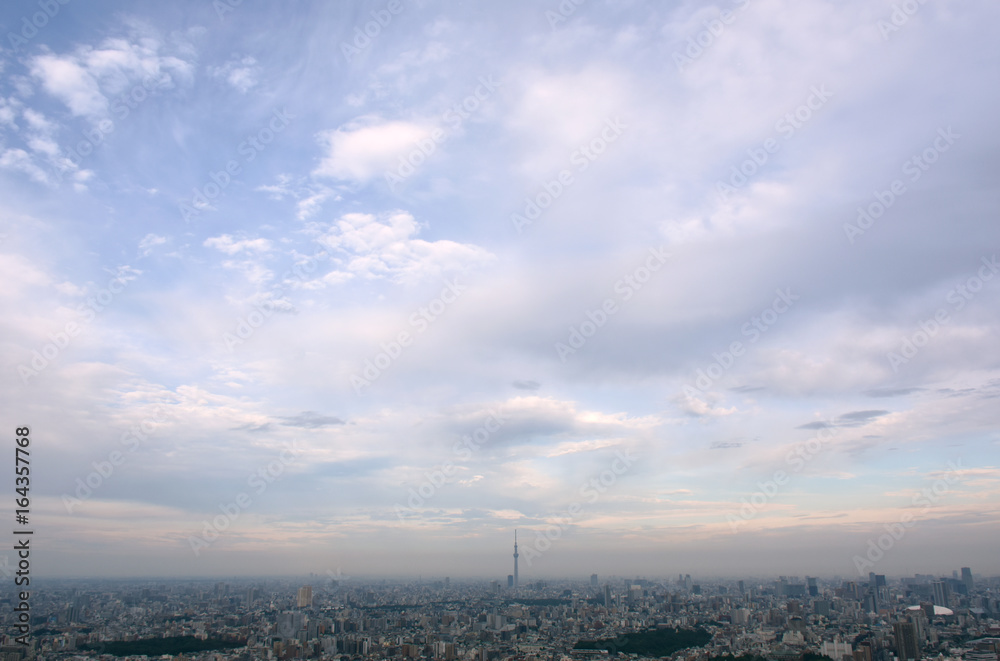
x=310 y=420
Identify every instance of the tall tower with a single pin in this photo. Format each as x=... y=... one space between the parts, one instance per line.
x=515 y=557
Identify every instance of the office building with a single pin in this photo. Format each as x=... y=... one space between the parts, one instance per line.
x=942 y=593
x=907 y=648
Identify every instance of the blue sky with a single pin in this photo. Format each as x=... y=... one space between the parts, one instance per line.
x=735 y=262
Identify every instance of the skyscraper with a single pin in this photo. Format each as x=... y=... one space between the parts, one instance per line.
x=593 y=580
x=515 y=557
x=906 y=641
x=305 y=596
x=942 y=593
x=967 y=578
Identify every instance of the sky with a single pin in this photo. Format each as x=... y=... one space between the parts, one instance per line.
x=360 y=288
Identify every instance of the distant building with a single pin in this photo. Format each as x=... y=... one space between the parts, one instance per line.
x=593 y=580
x=837 y=649
x=967 y=578
x=812 y=587
x=942 y=593
x=510 y=580
x=305 y=596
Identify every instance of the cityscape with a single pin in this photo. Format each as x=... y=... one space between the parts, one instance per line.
x=353 y=619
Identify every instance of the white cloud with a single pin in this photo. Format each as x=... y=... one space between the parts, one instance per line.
x=242 y=74
x=149 y=241
x=86 y=79
x=386 y=248
x=66 y=79
x=19 y=160
x=366 y=148
x=225 y=243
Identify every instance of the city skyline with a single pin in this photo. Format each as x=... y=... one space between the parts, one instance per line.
x=361 y=288
x=314 y=617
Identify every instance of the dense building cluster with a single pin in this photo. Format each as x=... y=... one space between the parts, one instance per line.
x=787 y=619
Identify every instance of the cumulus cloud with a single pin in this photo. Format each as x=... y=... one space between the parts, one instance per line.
x=387 y=247
x=364 y=149
x=88 y=78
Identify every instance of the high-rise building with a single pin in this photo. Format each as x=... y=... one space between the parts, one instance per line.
x=510 y=580
x=515 y=558
x=305 y=596
x=906 y=641
x=942 y=593
x=967 y=578
x=607 y=595
x=289 y=623
x=593 y=580
x=812 y=587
